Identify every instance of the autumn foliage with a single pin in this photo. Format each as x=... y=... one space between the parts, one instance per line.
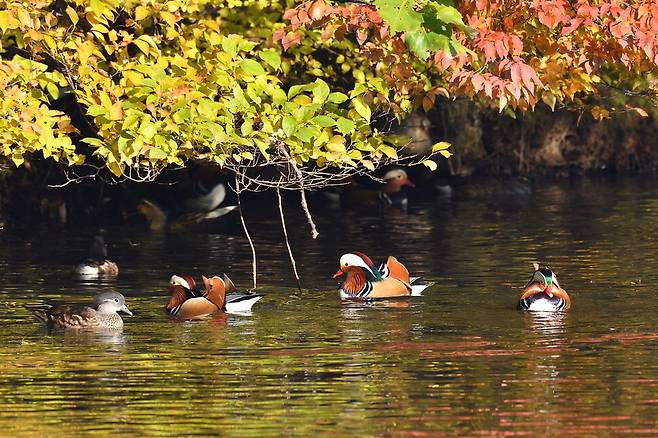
x=144 y=85
x=515 y=53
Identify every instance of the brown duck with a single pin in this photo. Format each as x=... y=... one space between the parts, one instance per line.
x=103 y=313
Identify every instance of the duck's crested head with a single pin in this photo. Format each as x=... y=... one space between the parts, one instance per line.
x=546 y=278
x=110 y=302
x=183 y=280
x=355 y=259
x=398 y=177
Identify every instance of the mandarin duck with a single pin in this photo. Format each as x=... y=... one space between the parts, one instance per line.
x=364 y=196
x=391 y=194
x=364 y=281
x=97 y=264
x=543 y=293
x=188 y=302
x=158 y=220
x=102 y=314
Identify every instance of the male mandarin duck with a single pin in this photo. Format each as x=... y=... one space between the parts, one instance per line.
x=364 y=196
x=543 y=293
x=391 y=194
x=188 y=302
x=97 y=264
x=102 y=314
x=364 y=281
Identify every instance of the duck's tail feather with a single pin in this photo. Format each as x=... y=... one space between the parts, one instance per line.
x=41 y=313
x=241 y=303
x=417 y=289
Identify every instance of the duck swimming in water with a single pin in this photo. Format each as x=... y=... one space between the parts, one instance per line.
x=543 y=293
x=364 y=281
x=220 y=294
x=97 y=264
x=102 y=314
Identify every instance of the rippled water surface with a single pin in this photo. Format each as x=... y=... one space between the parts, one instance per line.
x=458 y=361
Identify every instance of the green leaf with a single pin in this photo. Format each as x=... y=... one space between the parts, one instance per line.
x=230 y=44
x=345 y=126
x=400 y=14
x=246 y=128
x=362 y=109
x=272 y=58
x=279 y=96
x=323 y=121
x=422 y=43
x=289 y=124
x=157 y=154
x=252 y=67
x=337 y=97
x=304 y=133
x=320 y=91
x=296 y=89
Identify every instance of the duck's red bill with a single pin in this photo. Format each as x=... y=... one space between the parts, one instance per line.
x=338 y=273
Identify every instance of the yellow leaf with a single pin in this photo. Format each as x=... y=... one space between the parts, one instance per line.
x=8 y=21
x=73 y=16
x=388 y=151
x=84 y=51
x=142 y=45
x=50 y=42
x=141 y=13
x=440 y=146
x=362 y=109
x=430 y=164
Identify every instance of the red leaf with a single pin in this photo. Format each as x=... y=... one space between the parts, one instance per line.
x=289 y=14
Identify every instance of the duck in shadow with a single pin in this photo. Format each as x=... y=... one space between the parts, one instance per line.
x=97 y=264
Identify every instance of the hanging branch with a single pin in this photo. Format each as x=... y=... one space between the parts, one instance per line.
x=246 y=231
x=285 y=234
x=300 y=176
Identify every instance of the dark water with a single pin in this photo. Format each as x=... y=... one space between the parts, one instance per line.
x=458 y=361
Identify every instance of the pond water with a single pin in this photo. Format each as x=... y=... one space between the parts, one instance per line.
x=459 y=360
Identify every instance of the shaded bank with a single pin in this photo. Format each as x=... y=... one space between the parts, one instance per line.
x=485 y=143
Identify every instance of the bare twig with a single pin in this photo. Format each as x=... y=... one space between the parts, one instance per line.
x=285 y=234
x=246 y=231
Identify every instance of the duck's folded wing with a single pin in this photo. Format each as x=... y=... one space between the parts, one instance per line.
x=72 y=316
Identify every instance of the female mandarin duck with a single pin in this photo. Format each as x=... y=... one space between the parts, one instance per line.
x=103 y=313
x=188 y=302
x=364 y=281
x=97 y=264
x=543 y=293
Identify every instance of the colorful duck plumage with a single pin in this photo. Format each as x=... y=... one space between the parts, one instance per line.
x=187 y=301
x=391 y=194
x=543 y=293
x=103 y=313
x=364 y=281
